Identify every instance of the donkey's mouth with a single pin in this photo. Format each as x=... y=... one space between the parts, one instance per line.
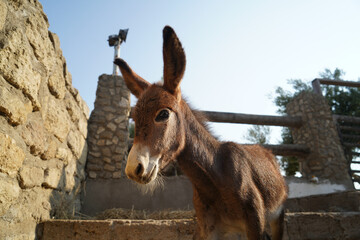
x=151 y=176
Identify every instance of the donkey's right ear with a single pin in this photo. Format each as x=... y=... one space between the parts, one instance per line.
x=134 y=82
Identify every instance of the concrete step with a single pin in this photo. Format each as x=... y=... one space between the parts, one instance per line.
x=348 y=201
x=301 y=225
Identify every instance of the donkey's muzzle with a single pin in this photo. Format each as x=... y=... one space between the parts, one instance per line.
x=141 y=166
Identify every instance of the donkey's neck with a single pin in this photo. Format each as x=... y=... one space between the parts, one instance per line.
x=197 y=159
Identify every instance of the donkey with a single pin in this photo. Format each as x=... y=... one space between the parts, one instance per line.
x=236 y=188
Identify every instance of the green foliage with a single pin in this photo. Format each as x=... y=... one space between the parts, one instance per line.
x=131 y=129
x=342 y=100
x=258 y=134
x=284 y=97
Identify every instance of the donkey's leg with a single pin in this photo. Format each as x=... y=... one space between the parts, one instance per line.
x=256 y=229
x=206 y=221
x=277 y=226
x=255 y=225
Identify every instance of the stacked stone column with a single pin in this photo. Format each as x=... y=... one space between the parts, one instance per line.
x=108 y=129
x=318 y=132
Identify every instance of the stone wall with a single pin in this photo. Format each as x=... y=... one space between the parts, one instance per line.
x=318 y=132
x=108 y=129
x=43 y=124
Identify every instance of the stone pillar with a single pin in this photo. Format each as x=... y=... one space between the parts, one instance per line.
x=108 y=129
x=326 y=159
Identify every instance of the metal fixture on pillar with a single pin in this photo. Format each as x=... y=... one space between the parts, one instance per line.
x=115 y=41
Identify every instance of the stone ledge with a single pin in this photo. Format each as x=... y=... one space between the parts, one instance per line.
x=348 y=201
x=322 y=226
x=117 y=229
x=309 y=225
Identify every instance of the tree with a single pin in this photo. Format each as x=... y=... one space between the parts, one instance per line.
x=258 y=134
x=131 y=129
x=342 y=101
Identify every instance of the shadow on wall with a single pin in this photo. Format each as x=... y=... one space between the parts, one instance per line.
x=36 y=186
x=43 y=124
x=65 y=187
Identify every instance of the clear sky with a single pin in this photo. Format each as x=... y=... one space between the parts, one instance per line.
x=238 y=52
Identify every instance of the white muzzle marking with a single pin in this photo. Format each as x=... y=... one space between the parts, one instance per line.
x=141 y=166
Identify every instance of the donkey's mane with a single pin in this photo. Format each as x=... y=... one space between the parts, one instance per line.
x=201 y=118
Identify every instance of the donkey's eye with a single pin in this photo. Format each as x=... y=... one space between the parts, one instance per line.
x=162 y=116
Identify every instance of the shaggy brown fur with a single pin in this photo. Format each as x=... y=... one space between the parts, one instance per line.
x=237 y=188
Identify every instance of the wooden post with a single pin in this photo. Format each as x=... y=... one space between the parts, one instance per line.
x=316 y=86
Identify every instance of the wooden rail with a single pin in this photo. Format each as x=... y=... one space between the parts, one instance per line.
x=285 y=121
x=296 y=150
x=227 y=117
x=351 y=145
x=347 y=119
x=355 y=153
x=317 y=81
x=350 y=136
x=350 y=128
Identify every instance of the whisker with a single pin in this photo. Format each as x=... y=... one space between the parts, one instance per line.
x=149 y=188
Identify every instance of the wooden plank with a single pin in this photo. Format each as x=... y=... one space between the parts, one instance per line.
x=337 y=82
x=351 y=145
x=355 y=153
x=349 y=128
x=347 y=119
x=350 y=136
x=226 y=117
x=355 y=171
x=296 y=150
x=316 y=86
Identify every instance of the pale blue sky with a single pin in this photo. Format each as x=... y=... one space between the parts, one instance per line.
x=238 y=52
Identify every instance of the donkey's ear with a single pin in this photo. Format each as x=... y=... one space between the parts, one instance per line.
x=134 y=82
x=174 y=61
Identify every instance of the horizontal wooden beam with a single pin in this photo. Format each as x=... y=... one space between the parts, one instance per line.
x=226 y=117
x=350 y=128
x=350 y=136
x=281 y=150
x=355 y=153
x=337 y=82
x=351 y=145
x=355 y=171
x=296 y=150
x=347 y=119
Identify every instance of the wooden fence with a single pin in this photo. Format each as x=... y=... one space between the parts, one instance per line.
x=285 y=121
x=348 y=127
x=345 y=124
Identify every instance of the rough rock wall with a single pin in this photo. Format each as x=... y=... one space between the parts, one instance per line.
x=326 y=159
x=108 y=129
x=43 y=123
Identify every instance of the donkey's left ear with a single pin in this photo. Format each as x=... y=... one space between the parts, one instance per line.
x=174 y=61
x=134 y=82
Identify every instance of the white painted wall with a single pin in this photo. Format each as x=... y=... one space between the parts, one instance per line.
x=302 y=188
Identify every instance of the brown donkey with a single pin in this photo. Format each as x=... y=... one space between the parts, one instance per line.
x=237 y=188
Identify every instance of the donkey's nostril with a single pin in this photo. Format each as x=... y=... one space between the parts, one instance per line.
x=139 y=169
